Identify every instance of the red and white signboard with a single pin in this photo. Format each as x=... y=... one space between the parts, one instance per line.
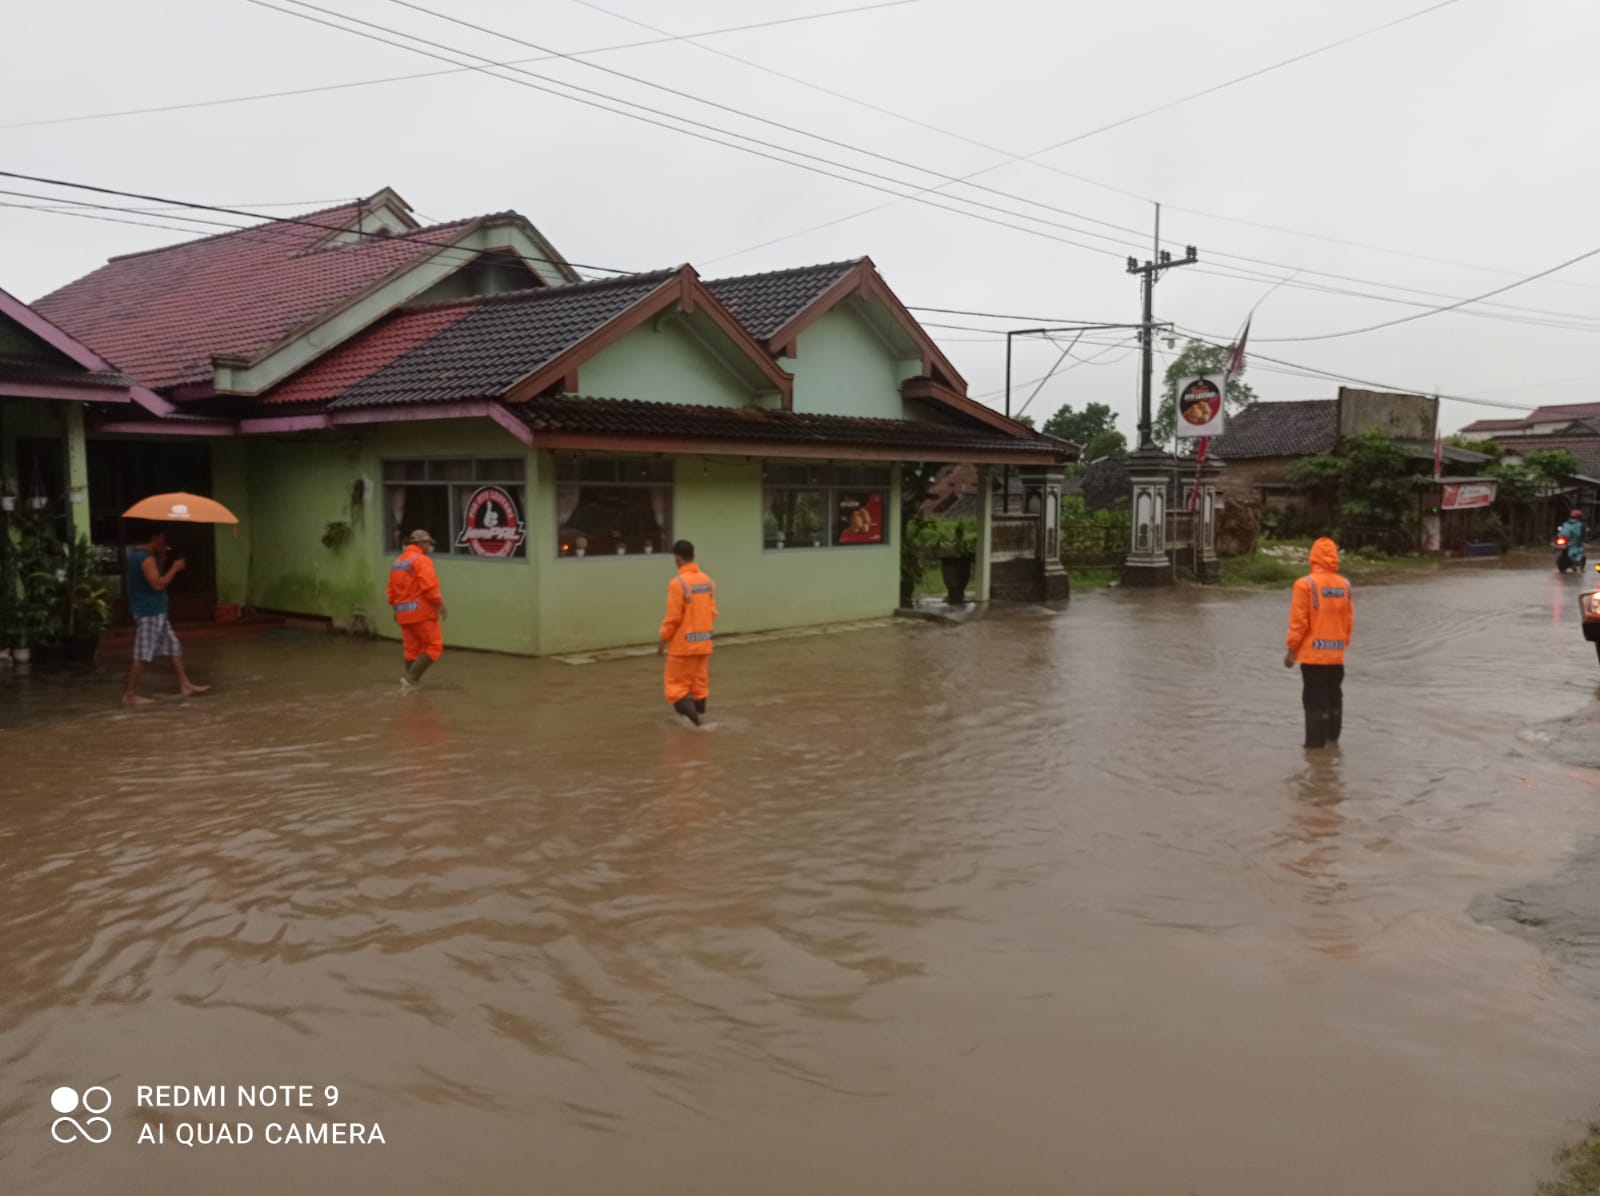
x=491 y=524
x=1200 y=406
x=1464 y=496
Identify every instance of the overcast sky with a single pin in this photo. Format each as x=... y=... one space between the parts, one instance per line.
x=1464 y=135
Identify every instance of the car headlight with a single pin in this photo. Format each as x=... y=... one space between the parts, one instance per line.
x=1590 y=605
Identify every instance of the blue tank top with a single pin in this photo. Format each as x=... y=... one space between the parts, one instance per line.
x=143 y=599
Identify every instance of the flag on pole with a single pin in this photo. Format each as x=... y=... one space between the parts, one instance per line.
x=1236 y=357
x=1438 y=455
x=1200 y=461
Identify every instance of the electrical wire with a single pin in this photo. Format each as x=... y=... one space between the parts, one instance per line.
x=1257 y=73
x=302 y=91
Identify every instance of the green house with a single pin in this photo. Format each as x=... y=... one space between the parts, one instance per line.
x=342 y=378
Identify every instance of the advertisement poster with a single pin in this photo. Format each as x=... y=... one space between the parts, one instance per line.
x=1464 y=496
x=1200 y=410
x=860 y=518
x=491 y=525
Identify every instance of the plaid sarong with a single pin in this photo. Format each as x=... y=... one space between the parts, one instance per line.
x=154 y=637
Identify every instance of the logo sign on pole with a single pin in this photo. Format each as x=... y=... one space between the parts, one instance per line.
x=1200 y=406
x=492 y=525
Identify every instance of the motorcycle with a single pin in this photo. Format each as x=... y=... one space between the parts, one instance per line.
x=1589 y=609
x=1568 y=555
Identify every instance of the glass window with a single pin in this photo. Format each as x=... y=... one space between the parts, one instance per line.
x=796 y=518
x=822 y=506
x=613 y=506
x=473 y=507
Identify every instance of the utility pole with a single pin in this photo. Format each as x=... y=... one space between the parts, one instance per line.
x=1149 y=563
x=1149 y=273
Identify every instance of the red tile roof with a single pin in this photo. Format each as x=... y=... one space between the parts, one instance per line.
x=393 y=337
x=162 y=316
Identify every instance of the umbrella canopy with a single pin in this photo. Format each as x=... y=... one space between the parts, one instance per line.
x=180 y=508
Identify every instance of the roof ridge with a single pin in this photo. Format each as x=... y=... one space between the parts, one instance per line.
x=839 y=265
x=234 y=232
x=525 y=294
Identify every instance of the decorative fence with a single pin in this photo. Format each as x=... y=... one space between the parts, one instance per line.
x=1013 y=537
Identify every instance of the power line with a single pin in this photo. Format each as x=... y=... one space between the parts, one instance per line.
x=49 y=211
x=415 y=237
x=1119 y=123
x=301 y=91
x=1422 y=315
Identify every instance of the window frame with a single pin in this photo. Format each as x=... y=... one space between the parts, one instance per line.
x=445 y=546
x=832 y=481
x=667 y=464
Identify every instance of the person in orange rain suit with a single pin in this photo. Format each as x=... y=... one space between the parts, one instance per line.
x=418 y=606
x=1321 y=616
x=686 y=635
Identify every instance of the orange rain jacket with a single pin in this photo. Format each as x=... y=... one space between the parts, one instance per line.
x=1321 y=614
x=691 y=612
x=414 y=587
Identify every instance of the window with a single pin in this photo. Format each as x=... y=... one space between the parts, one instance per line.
x=613 y=506
x=473 y=507
x=824 y=506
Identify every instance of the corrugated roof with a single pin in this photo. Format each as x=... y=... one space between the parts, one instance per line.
x=1303 y=428
x=764 y=303
x=162 y=315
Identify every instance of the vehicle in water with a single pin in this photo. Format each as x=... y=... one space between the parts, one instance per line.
x=1589 y=610
x=1568 y=544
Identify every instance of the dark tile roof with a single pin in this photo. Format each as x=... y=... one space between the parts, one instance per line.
x=1305 y=428
x=162 y=315
x=14 y=369
x=635 y=419
x=1493 y=425
x=764 y=303
x=465 y=349
x=1556 y=413
x=1585 y=448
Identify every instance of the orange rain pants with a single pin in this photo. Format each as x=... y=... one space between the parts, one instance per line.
x=688 y=677
x=422 y=639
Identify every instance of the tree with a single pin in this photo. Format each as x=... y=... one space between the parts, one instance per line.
x=1371 y=479
x=1081 y=427
x=1110 y=443
x=1025 y=420
x=1198 y=358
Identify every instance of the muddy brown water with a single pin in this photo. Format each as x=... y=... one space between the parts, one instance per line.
x=1037 y=904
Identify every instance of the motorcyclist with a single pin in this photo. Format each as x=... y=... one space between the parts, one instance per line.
x=1573 y=530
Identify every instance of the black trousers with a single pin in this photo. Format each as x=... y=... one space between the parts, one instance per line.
x=1322 y=693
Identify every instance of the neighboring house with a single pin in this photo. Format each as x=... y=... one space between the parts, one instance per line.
x=1264 y=441
x=51 y=386
x=1574 y=427
x=342 y=378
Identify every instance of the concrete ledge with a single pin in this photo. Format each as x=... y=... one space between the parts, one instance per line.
x=936 y=610
x=732 y=640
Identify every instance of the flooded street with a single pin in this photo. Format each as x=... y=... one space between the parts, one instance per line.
x=1036 y=904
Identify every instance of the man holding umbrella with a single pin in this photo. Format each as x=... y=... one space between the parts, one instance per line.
x=147 y=602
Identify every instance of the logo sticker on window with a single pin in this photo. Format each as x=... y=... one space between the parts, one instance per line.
x=492 y=525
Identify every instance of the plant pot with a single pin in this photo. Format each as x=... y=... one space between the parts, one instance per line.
x=55 y=653
x=957 y=574
x=81 y=649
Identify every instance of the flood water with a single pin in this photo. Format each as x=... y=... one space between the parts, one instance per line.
x=1038 y=904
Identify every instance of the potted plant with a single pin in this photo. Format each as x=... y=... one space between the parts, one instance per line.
x=87 y=607
x=956 y=560
x=914 y=534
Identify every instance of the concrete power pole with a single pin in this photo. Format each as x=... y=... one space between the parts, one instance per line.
x=1148 y=563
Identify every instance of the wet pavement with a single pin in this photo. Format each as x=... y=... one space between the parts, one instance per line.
x=1043 y=903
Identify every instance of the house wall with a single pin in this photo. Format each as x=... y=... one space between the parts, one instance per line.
x=1403 y=417
x=844 y=368
x=600 y=602
x=1243 y=479
x=663 y=363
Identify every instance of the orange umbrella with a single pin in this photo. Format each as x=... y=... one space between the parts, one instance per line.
x=180 y=508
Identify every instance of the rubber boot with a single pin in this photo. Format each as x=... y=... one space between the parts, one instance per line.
x=1335 y=722
x=418 y=667
x=700 y=706
x=1316 y=727
x=685 y=707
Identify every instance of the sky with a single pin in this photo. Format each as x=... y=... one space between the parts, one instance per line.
x=1410 y=168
